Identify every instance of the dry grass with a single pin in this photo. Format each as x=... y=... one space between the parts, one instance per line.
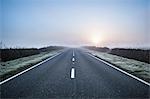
x=137 y=68
x=10 y=68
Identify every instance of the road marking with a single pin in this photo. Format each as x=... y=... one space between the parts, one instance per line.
x=121 y=70
x=73 y=73
x=73 y=59
x=73 y=53
x=8 y=79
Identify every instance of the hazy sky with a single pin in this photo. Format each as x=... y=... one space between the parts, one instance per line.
x=112 y=23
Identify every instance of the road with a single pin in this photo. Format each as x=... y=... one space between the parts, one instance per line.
x=74 y=74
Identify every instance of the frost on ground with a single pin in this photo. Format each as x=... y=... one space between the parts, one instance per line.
x=137 y=68
x=7 y=68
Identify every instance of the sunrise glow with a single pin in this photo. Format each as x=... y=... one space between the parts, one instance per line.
x=95 y=40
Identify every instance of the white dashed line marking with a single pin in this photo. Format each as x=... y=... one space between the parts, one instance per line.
x=73 y=73
x=73 y=59
x=73 y=53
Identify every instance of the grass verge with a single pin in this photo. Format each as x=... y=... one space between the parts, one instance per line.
x=10 y=68
x=134 y=67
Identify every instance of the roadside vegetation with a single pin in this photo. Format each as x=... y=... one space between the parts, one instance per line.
x=16 y=60
x=8 y=54
x=11 y=54
x=132 y=66
x=136 y=54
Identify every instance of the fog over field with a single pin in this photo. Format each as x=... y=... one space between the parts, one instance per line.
x=111 y=23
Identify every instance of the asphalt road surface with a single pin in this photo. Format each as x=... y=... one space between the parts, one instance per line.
x=74 y=74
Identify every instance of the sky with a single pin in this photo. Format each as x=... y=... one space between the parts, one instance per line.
x=111 y=23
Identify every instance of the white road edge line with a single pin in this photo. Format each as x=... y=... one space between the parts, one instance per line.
x=73 y=59
x=8 y=79
x=73 y=73
x=121 y=70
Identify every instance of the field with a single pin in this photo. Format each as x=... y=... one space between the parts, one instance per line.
x=10 y=54
x=17 y=60
x=15 y=53
x=136 y=54
x=100 y=49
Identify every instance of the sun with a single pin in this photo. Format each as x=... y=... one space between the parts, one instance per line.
x=95 y=40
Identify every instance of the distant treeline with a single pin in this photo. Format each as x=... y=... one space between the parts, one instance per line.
x=137 y=54
x=101 y=49
x=50 y=48
x=14 y=53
